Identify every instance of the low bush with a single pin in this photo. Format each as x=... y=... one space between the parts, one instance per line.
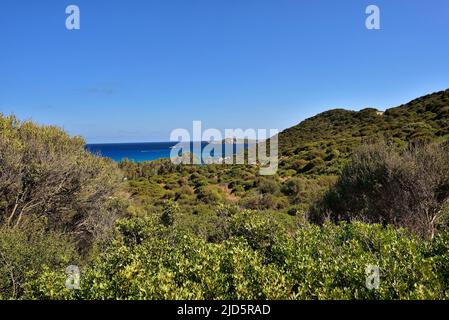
x=149 y=261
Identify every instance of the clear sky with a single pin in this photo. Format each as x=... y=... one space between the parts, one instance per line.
x=138 y=69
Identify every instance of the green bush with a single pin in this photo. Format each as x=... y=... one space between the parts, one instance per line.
x=27 y=251
x=209 y=194
x=329 y=262
x=45 y=172
x=259 y=261
x=406 y=188
x=268 y=186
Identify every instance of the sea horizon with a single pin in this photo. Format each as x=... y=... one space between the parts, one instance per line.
x=150 y=151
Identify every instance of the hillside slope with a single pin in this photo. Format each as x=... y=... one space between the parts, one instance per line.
x=321 y=144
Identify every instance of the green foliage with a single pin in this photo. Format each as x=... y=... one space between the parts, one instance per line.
x=56 y=202
x=267 y=186
x=329 y=263
x=261 y=233
x=45 y=172
x=209 y=194
x=223 y=231
x=326 y=262
x=321 y=144
x=27 y=251
x=408 y=188
x=168 y=213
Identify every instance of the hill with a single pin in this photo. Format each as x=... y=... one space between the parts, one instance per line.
x=320 y=145
x=222 y=231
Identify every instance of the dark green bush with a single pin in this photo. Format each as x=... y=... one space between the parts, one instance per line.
x=26 y=251
x=405 y=188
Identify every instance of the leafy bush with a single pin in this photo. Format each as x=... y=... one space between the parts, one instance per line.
x=405 y=188
x=267 y=186
x=26 y=251
x=209 y=194
x=45 y=172
x=148 y=261
x=330 y=262
x=293 y=188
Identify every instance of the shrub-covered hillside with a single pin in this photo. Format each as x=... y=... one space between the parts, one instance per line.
x=355 y=190
x=322 y=143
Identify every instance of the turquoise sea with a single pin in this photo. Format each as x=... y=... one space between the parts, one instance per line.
x=147 y=151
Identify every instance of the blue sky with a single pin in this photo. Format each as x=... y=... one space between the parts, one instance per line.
x=138 y=69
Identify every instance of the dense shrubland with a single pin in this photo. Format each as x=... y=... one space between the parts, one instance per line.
x=258 y=260
x=322 y=144
x=354 y=189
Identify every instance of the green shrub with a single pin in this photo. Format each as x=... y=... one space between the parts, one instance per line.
x=45 y=172
x=259 y=261
x=209 y=194
x=267 y=186
x=407 y=188
x=26 y=251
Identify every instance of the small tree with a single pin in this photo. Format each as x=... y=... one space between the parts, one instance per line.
x=168 y=216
